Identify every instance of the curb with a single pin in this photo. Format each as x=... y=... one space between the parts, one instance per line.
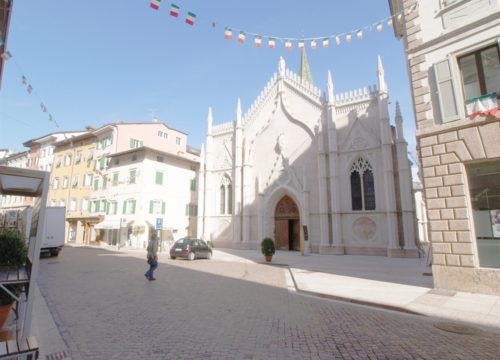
x=342 y=298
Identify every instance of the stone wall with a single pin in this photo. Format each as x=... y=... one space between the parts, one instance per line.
x=451 y=227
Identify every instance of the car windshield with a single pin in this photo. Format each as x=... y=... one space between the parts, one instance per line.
x=183 y=242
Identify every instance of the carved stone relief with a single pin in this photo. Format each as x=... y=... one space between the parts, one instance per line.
x=364 y=228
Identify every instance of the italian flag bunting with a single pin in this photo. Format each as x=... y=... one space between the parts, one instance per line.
x=326 y=42
x=314 y=45
x=155 y=4
x=174 y=10
x=190 y=18
x=241 y=37
x=486 y=105
x=288 y=45
x=228 y=33
x=271 y=43
x=258 y=41
x=301 y=44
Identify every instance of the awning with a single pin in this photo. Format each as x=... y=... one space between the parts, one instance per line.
x=108 y=225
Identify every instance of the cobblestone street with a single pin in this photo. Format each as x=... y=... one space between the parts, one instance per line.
x=212 y=309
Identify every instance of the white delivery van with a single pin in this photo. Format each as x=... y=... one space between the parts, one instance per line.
x=55 y=219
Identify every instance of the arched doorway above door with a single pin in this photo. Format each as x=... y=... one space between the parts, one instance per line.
x=287 y=224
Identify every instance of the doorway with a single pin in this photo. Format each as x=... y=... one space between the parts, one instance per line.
x=287 y=225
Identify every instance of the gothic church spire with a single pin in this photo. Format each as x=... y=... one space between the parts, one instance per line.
x=305 y=72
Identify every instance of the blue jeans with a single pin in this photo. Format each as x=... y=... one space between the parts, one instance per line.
x=152 y=268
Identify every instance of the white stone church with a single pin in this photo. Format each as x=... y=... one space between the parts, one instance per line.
x=322 y=173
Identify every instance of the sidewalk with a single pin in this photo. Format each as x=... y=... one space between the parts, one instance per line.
x=391 y=283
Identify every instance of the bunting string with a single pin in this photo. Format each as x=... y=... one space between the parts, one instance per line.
x=7 y=56
x=289 y=42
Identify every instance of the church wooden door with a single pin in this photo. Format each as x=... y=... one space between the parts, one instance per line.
x=287 y=224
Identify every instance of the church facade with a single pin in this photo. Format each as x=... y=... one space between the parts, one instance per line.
x=317 y=172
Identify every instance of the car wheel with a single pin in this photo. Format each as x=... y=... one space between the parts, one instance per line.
x=172 y=257
x=209 y=255
x=191 y=256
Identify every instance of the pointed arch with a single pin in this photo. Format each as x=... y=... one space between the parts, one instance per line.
x=362 y=185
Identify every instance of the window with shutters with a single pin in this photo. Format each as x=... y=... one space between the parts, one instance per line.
x=96 y=184
x=129 y=206
x=156 y=207
x=65 y=182
x=159 y=178
x=72 y=205
x=362 y=186
x=132 y=175
x=87 y=179
x=192 y=185
x=95 y=206
x=135 y=143
x=67 y=160
x=115 y=179
x=84 y=205
x=113 y=207
x=74 y=182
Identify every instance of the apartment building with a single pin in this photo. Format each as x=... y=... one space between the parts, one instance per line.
x=71 y=185
x=143 y=172
x=452 y=49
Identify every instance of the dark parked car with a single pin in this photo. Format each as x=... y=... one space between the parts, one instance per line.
x=190 y=249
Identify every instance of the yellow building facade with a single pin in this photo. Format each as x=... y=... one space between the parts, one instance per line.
x=71 y=182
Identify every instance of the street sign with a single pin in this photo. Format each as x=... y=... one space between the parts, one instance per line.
x=159 y=223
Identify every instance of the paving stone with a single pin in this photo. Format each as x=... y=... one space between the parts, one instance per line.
x=105 y=309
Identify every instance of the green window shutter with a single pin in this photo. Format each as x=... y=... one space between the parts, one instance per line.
x=151 y=204
x=141 y=143
x=115 y=207
x=115 y=179
x=446 y=90
x=133 y=206
x=159 y=178
x=97 y=205
x=124 y=207
x=131 y=143
x=96 y=184
x=187 y=210
x=132 y=176
x=106 y=207
x=163 y=207
x=102 y=162
x=104 y=182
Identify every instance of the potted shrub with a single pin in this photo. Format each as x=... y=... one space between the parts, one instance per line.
x=13 y=251
x=268 y=249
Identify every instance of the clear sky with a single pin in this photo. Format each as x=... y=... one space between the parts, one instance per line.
x=94 y=62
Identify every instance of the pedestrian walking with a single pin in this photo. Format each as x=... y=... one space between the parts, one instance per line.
x=152 y=257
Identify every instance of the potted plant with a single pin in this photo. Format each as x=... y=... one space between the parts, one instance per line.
x=268 y=249
x=13 y=251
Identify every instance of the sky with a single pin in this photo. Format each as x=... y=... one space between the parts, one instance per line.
x=95 y=62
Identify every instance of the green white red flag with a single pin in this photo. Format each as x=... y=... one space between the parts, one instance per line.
x=190 y=18
x=228 y=33
x=174 y=10
x=326 y=42
x=271 y=43
x=288 y=45
x=155 y=4
x=258 y=41
x=241 y=37
x=314 y=44
x=486 y=105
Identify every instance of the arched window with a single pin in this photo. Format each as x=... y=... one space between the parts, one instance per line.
x=226 y=196
x=229 y=199
x=356 y=199
x=222 y=199
x=362 y=186
x=369 y=190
